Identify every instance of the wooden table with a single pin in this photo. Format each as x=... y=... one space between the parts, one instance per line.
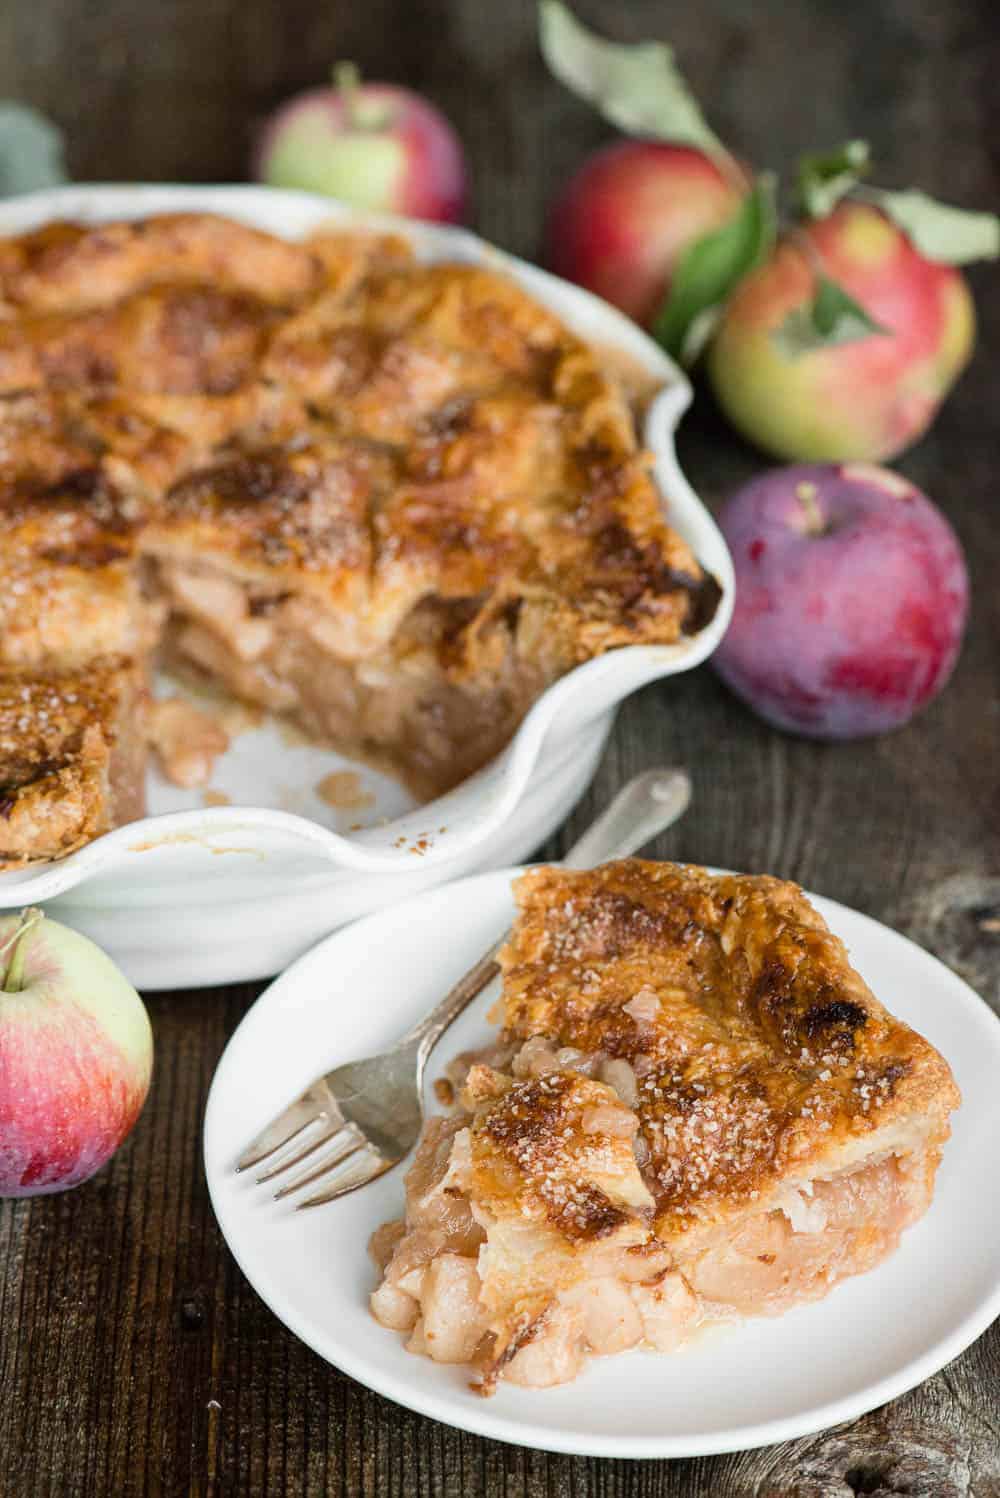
x=134 y=1358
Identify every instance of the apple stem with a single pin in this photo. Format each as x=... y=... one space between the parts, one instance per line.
x=809 y=251
x=347 y=82
x=14 y=977
x=734 y=170
x=346 y=79
x=362 y=110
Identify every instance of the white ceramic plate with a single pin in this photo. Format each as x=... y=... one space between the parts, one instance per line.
x=254 y=883
x=765 y=1381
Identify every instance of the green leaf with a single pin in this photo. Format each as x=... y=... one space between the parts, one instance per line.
x=31 y=150
x=710 y=268
x=952 y=235
x=830 y=319
x=822 y=180
x=638 y=88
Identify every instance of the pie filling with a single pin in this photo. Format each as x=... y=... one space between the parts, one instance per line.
x=393 y=706
x=699 y=1167
x=450 y=1270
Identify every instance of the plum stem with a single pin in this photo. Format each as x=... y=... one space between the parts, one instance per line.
x=805 y=493
x=13 y=980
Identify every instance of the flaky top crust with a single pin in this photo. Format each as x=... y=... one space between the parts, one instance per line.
x=44 y=717
x=70 y=267
x=411 y=448
x=541 y=1150
x=62 y=732
x=331 y=415
x=761 y=1056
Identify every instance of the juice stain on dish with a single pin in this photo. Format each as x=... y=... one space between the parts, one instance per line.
x=342 y=789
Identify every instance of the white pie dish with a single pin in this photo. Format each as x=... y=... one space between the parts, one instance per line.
x=197 y=894
x=759 y=1381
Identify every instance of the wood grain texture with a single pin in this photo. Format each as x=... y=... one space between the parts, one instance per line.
x=134 y=1358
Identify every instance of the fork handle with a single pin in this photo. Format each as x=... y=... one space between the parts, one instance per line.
x=644 y=807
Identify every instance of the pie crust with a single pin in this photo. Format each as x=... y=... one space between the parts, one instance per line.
x=391 y=499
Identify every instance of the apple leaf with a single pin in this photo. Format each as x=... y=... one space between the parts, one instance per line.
x=31 y=150
x=822 y=180
x=710 y=268
x=952 y=235
x=638 y=88
x=830 y=319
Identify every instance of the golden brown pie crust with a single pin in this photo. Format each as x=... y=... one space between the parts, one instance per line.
x=392 y=499
x=72 y=751
x=764 y=1052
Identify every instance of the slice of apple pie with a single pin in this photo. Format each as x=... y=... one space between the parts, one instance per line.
x=695 y=1111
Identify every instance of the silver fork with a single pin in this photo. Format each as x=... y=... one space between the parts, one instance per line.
x=359 y=1120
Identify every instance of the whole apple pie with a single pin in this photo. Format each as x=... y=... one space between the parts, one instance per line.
x=390 y=499
x=695 y=1111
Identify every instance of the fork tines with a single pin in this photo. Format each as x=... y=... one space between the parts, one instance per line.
x=312 y=1129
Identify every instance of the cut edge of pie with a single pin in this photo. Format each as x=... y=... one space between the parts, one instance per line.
x=695 y=1111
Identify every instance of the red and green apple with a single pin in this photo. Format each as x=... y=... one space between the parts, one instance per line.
x=373 y=145
x=867 y=398
x=76 y=1056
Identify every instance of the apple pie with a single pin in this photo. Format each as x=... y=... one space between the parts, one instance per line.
x=393 y=500
x=695 y=1111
